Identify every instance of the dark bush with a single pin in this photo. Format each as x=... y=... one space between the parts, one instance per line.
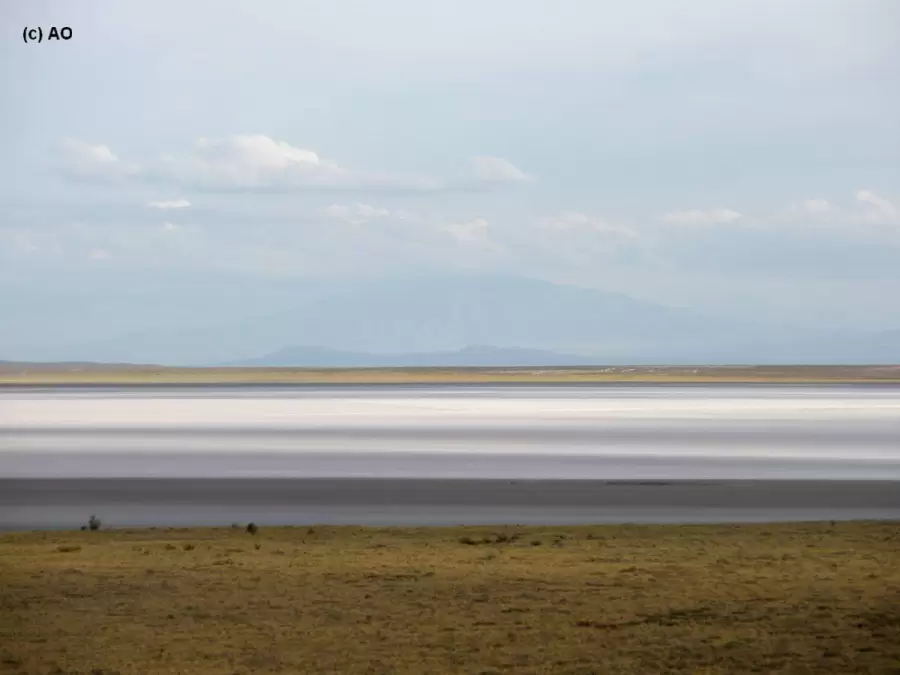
x=94 y=523
x=496 y=538
x=252 y=528
x=502 y=538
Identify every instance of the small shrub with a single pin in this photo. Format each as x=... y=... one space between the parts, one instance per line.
x=94 y=523
x=188 y=547
x=68 y=548
x=84 y=528
x=235 y=526
x=496 y=538
x=252 y=528
x=506 y=538
x=536 y=542
x=257 y=546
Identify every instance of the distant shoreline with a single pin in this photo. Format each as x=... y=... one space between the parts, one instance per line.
x=12 y=374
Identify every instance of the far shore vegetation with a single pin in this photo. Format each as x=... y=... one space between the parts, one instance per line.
x=74 y=374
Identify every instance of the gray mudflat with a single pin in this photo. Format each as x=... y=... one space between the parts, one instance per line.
x=65 y=503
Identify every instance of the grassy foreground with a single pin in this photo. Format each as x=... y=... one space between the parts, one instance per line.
x=53 y=374
x=797 y=598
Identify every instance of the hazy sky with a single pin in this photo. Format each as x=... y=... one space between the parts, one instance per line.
x=738 y=156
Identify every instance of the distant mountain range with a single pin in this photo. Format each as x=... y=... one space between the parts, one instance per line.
x=472 y=356
x=531 y=322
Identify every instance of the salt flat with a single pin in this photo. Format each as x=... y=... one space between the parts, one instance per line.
x=449 y=454
x=706 y=431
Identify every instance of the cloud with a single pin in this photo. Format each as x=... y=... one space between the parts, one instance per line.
x=715 y=216
x=575 y=221
x=255 y=163
x=815 y=211
x=884 y=211
x=472 y=231
x=258 y=163
x=817 y=206
x=95 y=162
x=812 y=238
x=22 y=242
x=497 y=170
x=576 y=240
x=355 y=214
x=175 y=204
x=868 y=214
x=248 y=162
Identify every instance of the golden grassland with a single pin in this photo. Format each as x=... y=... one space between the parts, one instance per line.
x=785 y=598
x=52 y=374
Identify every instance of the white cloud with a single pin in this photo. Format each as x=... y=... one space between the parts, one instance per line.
x=99 y=254
x=817 y=206
x=471 y=231
x=246 y=162
x=366 y=211
x=257 y=163
x=23 y=242
x=497 y=170
x=575 y=221
x=715 y=216
x=815 y=211
x=355 y=214
x=97 y=162
x=884 y=210
x=869 y=209
x=571 y=239
x=338 y=211
x=174 y=204
x=261 y=164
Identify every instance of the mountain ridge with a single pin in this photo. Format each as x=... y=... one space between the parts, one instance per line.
x=469 y=356
x=443 y=315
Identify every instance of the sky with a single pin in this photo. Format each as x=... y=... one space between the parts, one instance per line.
x=738 y=157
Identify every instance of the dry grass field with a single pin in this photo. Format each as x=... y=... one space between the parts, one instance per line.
x=53 y=374
x=796 y=598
